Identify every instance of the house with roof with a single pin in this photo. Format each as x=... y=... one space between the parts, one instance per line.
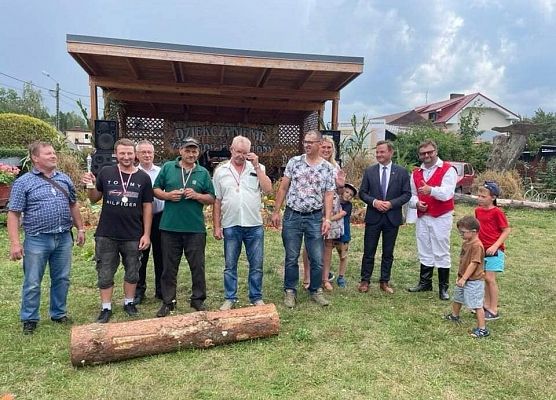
x=446 y=114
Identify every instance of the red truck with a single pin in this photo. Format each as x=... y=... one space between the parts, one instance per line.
x=466 y=176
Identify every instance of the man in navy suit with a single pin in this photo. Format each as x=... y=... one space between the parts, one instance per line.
x=385 y=189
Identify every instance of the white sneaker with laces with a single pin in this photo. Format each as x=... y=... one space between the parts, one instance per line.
x=227 y=305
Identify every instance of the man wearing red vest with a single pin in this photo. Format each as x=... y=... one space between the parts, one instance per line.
x=432 y=190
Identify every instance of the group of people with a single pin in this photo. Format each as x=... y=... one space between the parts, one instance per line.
x=161 y=208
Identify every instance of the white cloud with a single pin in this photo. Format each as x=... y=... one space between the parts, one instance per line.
x=444 y=51
x=541 y=97
x=486 y=76
x=547 y=7
x=459 y=60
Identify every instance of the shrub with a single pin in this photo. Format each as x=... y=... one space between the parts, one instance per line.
x=549 y=175
x=18 y=131
x=508 y=181
x=7 y=152
x=70 y=163
x=451 y=147
x=355 y=168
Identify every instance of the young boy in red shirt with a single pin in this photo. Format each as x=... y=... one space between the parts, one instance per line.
x=494 y=231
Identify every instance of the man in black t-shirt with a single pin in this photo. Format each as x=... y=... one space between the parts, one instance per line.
x=124 y=227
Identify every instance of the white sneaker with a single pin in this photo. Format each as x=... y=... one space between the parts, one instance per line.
x=227 y=305
x=289 y=298
x=318 y=297
x=258 y=303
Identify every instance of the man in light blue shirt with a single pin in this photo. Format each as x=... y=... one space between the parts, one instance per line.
x=45 y=199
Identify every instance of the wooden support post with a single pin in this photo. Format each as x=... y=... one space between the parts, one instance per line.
x=335 y=104
x=94 y=102
x=102 y=343
x=321 y=113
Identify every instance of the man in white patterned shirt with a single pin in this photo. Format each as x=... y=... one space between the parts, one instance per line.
x=308 y=187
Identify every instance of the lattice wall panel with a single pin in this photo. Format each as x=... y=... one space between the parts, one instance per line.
x=311 y=122
x=151 y=129
x=157 y=130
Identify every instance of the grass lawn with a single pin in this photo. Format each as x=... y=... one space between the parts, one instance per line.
x=364 y=346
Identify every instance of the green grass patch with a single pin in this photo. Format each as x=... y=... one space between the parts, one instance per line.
x=363 y=346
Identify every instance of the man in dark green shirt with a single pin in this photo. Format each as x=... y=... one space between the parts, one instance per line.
x=185 y=188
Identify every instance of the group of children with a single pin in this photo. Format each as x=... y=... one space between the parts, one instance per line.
x=481 y=258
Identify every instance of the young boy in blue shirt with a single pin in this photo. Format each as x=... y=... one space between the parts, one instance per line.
x=342 y=243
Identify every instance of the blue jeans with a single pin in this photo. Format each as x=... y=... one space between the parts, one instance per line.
x=253 y=237
x=295 y=228
x=54 y=248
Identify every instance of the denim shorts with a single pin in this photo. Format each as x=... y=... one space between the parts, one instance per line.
x=471 y=294
x=107 y=255
x=495 y=263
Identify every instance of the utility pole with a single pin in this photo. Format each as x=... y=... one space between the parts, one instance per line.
x=57 y=91
x=57 y=106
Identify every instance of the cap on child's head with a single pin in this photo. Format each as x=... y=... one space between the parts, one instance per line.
x=352 y=188
x=492 y=188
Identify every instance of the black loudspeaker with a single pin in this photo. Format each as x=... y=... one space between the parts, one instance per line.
x=106 y=134
x=102 y=158
x=335 y=135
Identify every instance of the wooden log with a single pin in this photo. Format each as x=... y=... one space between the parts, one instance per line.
x=509 y=203
x=101 y=343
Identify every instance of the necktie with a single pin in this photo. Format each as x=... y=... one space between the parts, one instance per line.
x=383 y=183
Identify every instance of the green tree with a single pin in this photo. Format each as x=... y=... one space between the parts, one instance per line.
x=29 y=103
x=451 y=146
x=85 y=114
x=546 y=134
x=468 y=124
x=71 y=120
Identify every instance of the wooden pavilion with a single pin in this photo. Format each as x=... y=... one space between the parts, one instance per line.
x=166 y=92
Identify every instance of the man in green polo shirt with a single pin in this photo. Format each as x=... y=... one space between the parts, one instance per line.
x=185 y=188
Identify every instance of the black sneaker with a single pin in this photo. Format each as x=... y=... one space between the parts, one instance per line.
x=166 y=309
x=452 y=318
x=198 y=305
x=480 y=333
x=29 y=327
x=104 y=316
x=62 y=320
x=490 y=316
x=131 y=309
x=138 y=299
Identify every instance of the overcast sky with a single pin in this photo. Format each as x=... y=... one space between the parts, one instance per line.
x=414 y=50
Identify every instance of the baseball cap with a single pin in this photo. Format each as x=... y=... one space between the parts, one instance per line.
x=492 y=187
x=188 y=142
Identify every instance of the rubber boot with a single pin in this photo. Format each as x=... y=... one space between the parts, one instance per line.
x=443 y=283
x=425 y=280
